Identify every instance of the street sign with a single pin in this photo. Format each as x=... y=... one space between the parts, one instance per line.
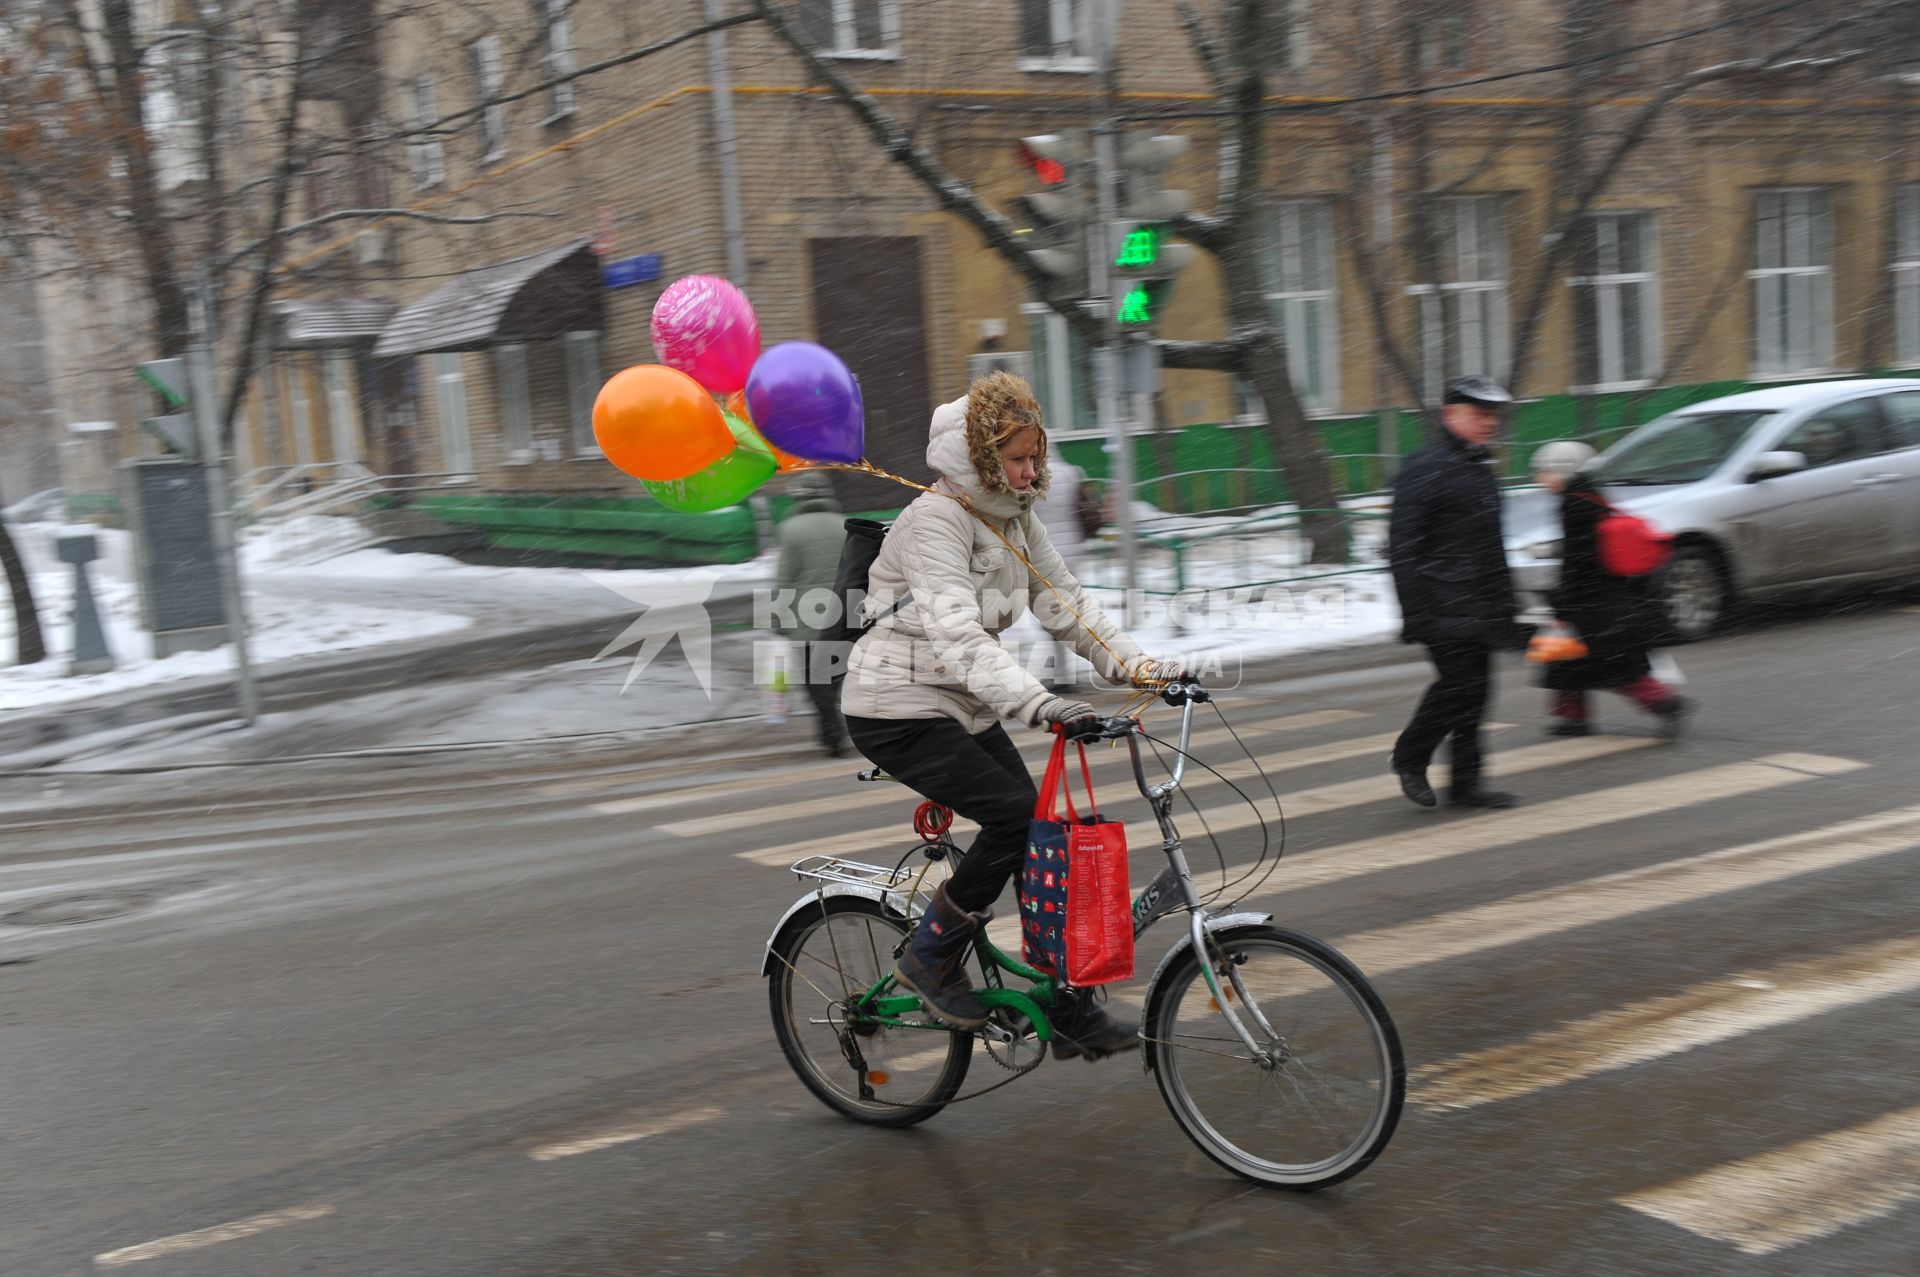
x=175 y=430
x=628 y=271
x=167 y=378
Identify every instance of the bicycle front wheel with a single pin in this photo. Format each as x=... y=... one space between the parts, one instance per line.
x=877 y=1073
x=1319 y=1100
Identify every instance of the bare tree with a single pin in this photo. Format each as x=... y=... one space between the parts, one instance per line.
x=1254 y=351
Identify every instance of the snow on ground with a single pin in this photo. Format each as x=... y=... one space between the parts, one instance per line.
x=1245 y=594
x=281 y=628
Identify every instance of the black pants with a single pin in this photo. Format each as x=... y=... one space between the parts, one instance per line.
x=823 y=690
x=983 y=778
x=1452 y=708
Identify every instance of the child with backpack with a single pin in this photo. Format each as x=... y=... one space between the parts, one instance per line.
x=1606 y=592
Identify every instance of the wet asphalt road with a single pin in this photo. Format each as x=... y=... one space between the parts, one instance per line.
x=501 y=1013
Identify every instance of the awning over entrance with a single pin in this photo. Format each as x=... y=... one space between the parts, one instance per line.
x=534 y=298
x=318 y=323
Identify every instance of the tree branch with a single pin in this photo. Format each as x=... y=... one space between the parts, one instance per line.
x=953 y=194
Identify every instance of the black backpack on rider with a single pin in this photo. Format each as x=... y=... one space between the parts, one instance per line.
x=857 y=553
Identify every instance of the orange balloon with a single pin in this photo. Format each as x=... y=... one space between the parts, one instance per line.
x=784 y=462
x=657 y=423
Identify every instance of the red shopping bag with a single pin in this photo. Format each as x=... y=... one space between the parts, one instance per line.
x=1076 y=916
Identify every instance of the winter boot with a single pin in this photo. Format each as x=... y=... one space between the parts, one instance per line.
x=1673 y=717
x=934 y=963
x=1082 y=1028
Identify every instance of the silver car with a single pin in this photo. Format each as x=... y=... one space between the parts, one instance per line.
x=1766 y=492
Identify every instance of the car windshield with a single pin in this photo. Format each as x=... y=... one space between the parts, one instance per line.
x=1685 y=447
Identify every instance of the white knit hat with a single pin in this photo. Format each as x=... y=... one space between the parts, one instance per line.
x=1563 y=457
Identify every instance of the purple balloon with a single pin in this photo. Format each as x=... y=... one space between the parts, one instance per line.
x=804 y=400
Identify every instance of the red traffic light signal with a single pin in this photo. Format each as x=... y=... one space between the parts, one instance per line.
x=1050 y=171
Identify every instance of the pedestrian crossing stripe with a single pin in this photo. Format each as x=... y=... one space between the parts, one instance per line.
x=859 y=797
x=1580 y=811
x=1705 y=1014
x=1611 y=897
x=878 y=796
x=1796 y=1194
x=864 y=843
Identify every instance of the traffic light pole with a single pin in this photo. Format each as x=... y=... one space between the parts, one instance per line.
x=213 y=455
x=1110 y=402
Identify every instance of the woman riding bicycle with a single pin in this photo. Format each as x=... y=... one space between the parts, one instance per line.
x=928 y=683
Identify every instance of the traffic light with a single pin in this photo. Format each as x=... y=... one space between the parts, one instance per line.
x=1145 y=257
x=1056 y=216
x=168 y=379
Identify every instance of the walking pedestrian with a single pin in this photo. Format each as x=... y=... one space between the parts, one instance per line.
x=1618 y=618
x=1449 y=565
x=1062 y=511
x=810 y=539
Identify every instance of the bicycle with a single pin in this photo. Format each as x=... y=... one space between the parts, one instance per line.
x=1274 y=1054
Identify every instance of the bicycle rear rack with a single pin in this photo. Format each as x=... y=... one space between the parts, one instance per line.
x=834 y=869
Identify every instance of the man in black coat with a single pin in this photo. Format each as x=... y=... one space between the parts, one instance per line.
x=1449 y=564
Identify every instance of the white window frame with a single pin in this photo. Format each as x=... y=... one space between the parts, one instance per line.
x=1053 y=379
x=583 y=386
x=1072 y=28
x=483 y=58
x=559 y=21
x=343 y=413
x=1295 y=229
x=304 y=453
x=516 y=404
x=1906 y=275
x=1298 y=48
x=1613 y=295
x=846 y=31
x=1798 y=294
x=1473 y=237
x=426 y=155
x=450 y=405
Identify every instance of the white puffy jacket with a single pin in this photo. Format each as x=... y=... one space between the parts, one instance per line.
x=939 y=654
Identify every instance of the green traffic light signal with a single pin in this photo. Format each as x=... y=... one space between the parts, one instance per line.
x=1140 y=248
x=1136 y=305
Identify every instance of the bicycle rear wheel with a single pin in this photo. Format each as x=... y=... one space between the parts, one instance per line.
x=1324 y=1095
x=884 y=1075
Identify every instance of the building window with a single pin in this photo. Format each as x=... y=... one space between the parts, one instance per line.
x=343 y=412
x=1443 y=36
x=852 y=28
x=483 y=55
x=1463 y=315
x=1616 y=300
x=583 y=384
x=1056 y=35
x=1906 y=276
x=516 y=406
x=450 y=398
x=1062 y=370
x=1298 y=275
x=1286 y=37
x=1792 y=282
x=558 y=15
x=426 y=157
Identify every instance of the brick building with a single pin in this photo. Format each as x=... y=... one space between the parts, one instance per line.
x=1768 y=225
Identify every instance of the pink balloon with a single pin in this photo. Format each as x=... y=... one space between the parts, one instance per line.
x=706 y=328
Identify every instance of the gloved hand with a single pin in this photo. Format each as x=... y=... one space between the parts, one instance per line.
x=1164 y=671
x=1071 y=714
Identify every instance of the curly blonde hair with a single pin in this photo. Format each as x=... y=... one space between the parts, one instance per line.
x=1000 y=406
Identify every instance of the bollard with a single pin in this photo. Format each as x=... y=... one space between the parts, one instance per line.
x=90 y=654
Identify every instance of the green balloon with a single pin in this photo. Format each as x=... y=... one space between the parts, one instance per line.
x=726 y=482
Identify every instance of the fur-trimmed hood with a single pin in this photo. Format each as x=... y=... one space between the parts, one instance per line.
x=959 y=451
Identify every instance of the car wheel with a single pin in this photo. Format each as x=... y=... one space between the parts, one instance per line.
x=1697 y=593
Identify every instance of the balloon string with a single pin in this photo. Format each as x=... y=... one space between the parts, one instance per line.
x=1147 y=685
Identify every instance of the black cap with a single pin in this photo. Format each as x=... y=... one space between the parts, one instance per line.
x=1482 y=391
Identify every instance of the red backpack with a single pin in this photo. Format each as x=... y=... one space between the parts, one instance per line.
x=1630 y=546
